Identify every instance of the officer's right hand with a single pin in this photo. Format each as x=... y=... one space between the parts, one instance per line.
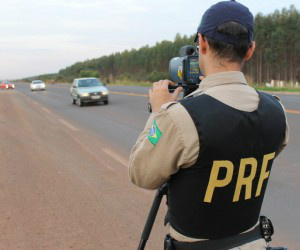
x=160 y=94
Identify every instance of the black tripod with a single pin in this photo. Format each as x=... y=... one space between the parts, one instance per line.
x=152 y=215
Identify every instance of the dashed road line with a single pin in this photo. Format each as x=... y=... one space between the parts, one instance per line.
x=46 y=110
x=293 y=111
x=115 y=156
x=68 y=125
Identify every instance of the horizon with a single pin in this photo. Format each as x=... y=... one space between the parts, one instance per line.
x=61 y=33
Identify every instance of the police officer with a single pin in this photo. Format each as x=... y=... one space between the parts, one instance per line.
x=216 y=146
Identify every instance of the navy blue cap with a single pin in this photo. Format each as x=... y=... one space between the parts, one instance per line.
x=223 y=12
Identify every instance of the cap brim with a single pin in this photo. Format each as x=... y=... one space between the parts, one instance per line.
x=196 y=38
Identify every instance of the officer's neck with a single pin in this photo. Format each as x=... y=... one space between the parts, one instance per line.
x=214 y=66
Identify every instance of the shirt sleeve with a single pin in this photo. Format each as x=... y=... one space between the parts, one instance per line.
x=286 y=138
x=168 y=142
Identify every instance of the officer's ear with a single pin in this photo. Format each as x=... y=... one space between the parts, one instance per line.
x=202 y=44
x=250 y=51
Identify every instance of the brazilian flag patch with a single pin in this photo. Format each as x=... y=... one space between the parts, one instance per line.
x=154 y=134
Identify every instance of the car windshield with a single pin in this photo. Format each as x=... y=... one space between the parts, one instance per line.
x=37 y=82
x=89 y=83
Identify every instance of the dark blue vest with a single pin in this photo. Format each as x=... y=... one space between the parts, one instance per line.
x=222 y=193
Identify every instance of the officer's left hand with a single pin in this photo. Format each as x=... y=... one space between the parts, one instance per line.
x=160 y=94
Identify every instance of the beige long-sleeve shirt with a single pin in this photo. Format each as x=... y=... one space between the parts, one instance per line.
x=177 y=145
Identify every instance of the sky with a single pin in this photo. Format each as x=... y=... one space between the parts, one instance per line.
x=44 y=36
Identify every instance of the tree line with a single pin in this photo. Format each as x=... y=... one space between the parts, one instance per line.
x=277 y=55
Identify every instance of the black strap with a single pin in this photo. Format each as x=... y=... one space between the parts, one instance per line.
x=220 y=244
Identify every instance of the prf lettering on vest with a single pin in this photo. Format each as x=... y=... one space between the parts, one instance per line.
x=214 y=182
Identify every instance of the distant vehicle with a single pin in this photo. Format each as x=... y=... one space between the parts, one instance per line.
x=88 y=90
x=7 y=85
x=37 y=85
x=3 y=86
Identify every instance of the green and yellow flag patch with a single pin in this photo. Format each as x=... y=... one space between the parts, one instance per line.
x=154 y=134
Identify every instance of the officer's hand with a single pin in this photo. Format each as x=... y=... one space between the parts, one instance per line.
x=160 y=94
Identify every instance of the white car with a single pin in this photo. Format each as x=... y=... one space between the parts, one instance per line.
x=37 y=85
x=88 y=90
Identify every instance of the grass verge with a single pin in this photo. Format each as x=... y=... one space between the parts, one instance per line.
x=277 y=89
x=131 y=83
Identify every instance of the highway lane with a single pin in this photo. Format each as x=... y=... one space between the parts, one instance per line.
x=118 y=124
x=127 y=117
x=62 y=186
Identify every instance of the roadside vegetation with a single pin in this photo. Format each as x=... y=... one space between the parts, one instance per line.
x=275 y=63
x=277 y=89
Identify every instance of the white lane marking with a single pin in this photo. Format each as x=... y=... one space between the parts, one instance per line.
x=68 y=125
x=115 y=156
x=46 y=110
x=87 y=149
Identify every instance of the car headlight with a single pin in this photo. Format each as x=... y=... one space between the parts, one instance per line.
x=84 y=94
x=105 y=92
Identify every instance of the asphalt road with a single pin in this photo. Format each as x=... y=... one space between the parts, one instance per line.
x=64 y=184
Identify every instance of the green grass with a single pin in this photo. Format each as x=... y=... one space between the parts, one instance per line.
x=278 y=89
x=131 y=83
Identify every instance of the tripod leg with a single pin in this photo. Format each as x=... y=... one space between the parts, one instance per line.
x=152 y=215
